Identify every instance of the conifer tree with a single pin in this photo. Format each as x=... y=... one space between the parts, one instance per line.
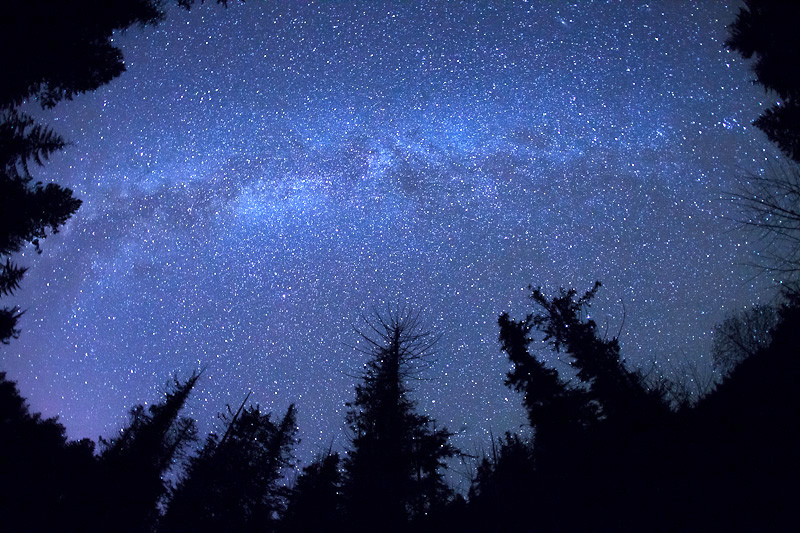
x=315 y=501
x=52 y=51
x=133 y=466
x=766 y=30
x=393 y=470
x=28 y=210
x=233 y=483
x=40 y=469
x=610 y=391
x=598 y=431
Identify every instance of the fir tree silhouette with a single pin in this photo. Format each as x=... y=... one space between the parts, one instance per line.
x=233 y=483
x=52 y=51
x=134 y=465
x=393 y=470
x=767 y=30
x=315 y=503
x=596 y=429
x=28 y=210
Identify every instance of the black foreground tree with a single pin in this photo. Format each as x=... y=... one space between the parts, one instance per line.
x=40 y=470
x=55 y=49
x=315 y=502
x=767 y=30
x=233 y=484
x=746 y=433
x=28 y=210
x=133 y=467
x=608 y=390
x=596 y=426
x=52 y=50
x=393 y=472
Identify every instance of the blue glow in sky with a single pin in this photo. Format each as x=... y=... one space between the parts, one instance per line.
x=264 y=174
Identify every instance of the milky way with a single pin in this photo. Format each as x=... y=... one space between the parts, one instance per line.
x=263 y=176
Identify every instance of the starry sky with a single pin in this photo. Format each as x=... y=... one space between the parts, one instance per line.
x=264 y=175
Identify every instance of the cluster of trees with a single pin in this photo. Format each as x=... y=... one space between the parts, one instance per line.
x=764 y=30
x=611 y=447
x=617 y=450
x=392 y=475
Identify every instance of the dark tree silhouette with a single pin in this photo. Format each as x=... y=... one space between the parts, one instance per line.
x=746 y=434
x=133 y=466
x=55 y=50
x=609 y=392
x=595 y=428
x=40 y=470
x=52 y=50
x=619 y=392
x=769 y=202
x=27 y=210
x=315 y=503
x=233 y=483
x=393 y=470
x=767 y=29
x=742 y=335
x=504 y=488
x=550 y=402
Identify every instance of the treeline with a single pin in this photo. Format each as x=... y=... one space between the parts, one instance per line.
x=612 y=449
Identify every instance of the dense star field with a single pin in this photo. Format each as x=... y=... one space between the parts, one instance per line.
x=262 y=176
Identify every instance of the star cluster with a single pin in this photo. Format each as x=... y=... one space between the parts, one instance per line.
x=264 y=175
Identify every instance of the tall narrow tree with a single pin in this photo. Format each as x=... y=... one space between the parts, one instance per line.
x=393 y=470
x=134 y=465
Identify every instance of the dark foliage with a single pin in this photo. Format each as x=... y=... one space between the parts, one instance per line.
x=767 y=30
x=591 y=427
x=621 y=457
x=393 y=471
x=504 y=484
x=28 y=210
x=133 y=466
x=609 y=452
x=746 y=436
x=40 y=470
x=315 y=503
x=233 y=483
x=75 y=56
x=52 y=50
x=55 y=50
x=621 y=460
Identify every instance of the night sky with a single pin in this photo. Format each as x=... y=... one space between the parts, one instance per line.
x=262 y=176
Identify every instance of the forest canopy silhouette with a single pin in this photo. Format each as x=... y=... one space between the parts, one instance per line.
x=608 y=446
